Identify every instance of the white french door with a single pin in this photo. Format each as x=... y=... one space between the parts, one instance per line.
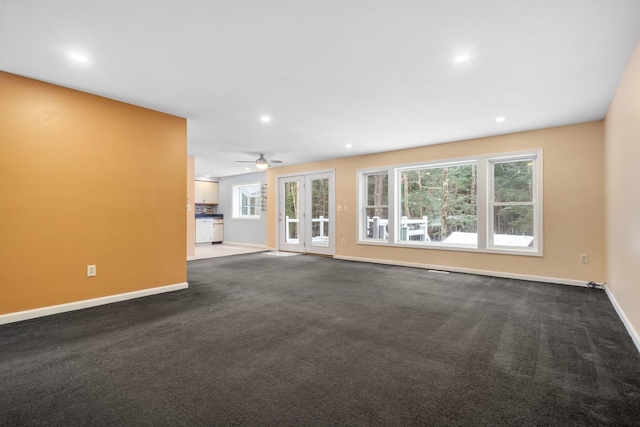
x=319 y=214
x=306 y=218
x=291 y=201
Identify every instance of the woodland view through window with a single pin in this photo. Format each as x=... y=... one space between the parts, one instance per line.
x=377 y=205
x=513 y=206
x=487 y=203
x=436 y=202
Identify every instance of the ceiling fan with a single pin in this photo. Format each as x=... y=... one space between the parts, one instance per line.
x=261 y=162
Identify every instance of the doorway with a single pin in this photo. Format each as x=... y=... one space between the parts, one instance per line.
x=306 y=220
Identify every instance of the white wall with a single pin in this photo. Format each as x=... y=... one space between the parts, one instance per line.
x=246 y=231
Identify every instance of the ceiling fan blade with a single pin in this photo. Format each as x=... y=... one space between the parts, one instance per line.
x=245 y=161
x=276 y=161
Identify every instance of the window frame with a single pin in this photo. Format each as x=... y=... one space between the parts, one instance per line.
x=363 y=205
x=237 y=207
x=536 y=202
x=484 y=170
x=430 y=165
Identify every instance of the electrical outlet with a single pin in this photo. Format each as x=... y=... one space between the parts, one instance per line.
x=584 y=258
x=339 y=208
x=344 y=241
x=345 y=208
x=91 y=270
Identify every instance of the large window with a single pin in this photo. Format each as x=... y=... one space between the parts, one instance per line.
x=246 y=201
x=512 y=204
x=488 y=203
x=376 y=206
x=437 y=201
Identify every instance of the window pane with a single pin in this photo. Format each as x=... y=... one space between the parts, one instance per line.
x=378 y=189
x=439 y=204
x=513 y=226
x=377 y=210
x=251 y=190
x=513 y=181
x=246 y=201
x=377 y=222
x=245 y=204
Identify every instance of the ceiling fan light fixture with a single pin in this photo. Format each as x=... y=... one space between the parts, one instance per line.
x=262 y=164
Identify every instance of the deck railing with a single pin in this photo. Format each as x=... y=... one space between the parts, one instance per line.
x=321 y=227
x=378 y=228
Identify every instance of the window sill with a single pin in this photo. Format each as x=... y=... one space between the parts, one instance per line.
x=461 y=248
x=239 y=218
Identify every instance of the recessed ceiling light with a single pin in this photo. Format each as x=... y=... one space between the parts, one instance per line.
x=348 y=146
x=246 y=169
x=208 y=176
x=265 y=119
x=462 y=58
x=500 y=119
x=78 y=57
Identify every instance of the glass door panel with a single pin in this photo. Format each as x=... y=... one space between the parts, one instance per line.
x=320 y=214
x=292 y=212
x=320 y=221
x=291 y=230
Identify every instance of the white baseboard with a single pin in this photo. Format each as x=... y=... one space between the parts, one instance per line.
x=251 y=245
x=78 y=305
x=191 y=258
x=625 y=320
x=469 y=271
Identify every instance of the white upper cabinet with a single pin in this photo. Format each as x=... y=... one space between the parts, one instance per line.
x=206 y=192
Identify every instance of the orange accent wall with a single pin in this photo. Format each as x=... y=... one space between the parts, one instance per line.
x=86 y=180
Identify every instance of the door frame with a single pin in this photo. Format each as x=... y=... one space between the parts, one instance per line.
x=332 y=209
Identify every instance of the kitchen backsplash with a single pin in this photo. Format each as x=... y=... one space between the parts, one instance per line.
x=204 y=209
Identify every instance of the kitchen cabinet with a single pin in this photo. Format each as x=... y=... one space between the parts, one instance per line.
x=205 y=192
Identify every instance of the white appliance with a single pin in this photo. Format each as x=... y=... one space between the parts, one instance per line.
x=204 y=230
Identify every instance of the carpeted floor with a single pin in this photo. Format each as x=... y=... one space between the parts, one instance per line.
x=260 y=340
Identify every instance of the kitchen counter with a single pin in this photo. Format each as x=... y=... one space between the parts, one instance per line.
x=215 y=216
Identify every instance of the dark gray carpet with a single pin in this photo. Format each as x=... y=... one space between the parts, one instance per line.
x=263 y=340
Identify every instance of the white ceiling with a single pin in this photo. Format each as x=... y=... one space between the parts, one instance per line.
x=379 y=75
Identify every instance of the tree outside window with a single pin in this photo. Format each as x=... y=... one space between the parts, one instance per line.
x=376 y=209
x=488 y=203
x=438 y=201
x=513 y=203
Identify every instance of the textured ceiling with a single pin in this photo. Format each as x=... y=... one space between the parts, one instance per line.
x=379 y=75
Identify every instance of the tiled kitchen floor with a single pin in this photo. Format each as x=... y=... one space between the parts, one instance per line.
x=207 y=250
